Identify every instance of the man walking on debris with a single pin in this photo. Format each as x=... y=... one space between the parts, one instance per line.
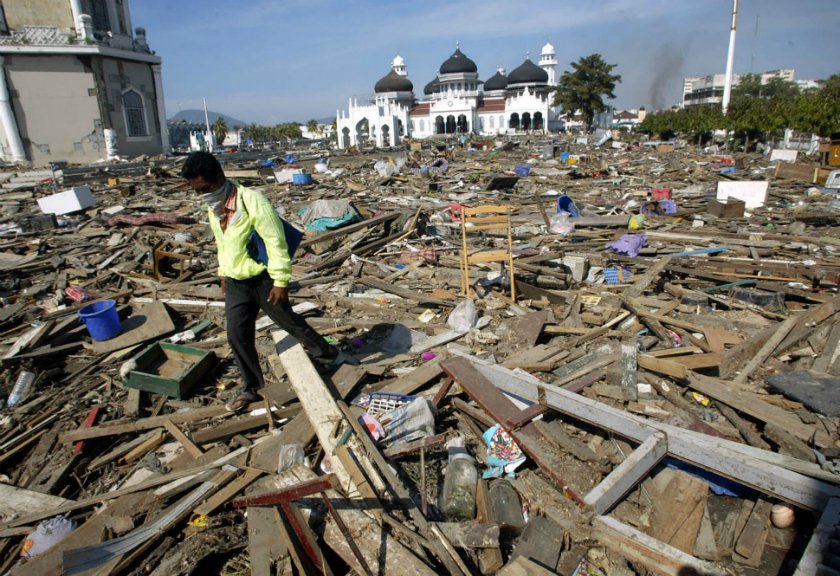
x=249 y=285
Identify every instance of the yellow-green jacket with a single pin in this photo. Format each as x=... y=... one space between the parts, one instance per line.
x=253 y=210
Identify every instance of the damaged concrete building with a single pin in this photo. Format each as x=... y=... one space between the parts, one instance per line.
x=76 y=83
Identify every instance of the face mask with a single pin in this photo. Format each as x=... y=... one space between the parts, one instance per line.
x=216 y=199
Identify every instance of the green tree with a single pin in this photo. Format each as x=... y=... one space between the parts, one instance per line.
x=220 y=129
x=818 y=111
x=312 y=126
x=584 y=88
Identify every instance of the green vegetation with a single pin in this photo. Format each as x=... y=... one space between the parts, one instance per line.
x=756 y=111
x=220 y=129
x=584 y=88
x=261 y=135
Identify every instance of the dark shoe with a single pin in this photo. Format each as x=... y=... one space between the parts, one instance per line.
x=241 y=401
x=336 y=360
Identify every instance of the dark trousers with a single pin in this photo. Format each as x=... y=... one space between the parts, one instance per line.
x=243 y=301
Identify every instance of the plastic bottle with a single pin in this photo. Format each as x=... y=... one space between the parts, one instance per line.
x=22 y=388
x=457 y=500
x=506 y=507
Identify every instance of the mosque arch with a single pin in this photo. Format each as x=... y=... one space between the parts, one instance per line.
x=363 y=131
x=345 y=137
x=514 y=121
x=539 y=123
x=386 y=135
x=462 y=125
x=450 y=124
x=440 y=126
x=526 y=120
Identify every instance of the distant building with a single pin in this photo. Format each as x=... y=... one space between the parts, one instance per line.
x=454 y=102
x=77 y=83
x=709 y=89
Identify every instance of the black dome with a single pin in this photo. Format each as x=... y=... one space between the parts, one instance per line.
x=528 y=73
x=458 y=64
x=393 y=82
x=497 y=81
x=431 y=87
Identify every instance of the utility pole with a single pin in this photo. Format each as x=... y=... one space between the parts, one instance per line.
x=730 y=59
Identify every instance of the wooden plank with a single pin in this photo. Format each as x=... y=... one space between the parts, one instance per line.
x=752 y=405
x=320 y=407
x=694 y=361
x=146 y=323
x=830 y=352
x=404 y=292
x=266 y=545
x=821 y=546
x=653 y=272
x=658 y=557
x=489 y=559
x=554 y=432
x=418 y=378
x=19 y=501
x=718 y=337
x=663 y=366
x=780 y=333
x=627 y=474
x=179 y=435
x=230 y=491
x=749 y=548
x=239 y=425
x=116 y=428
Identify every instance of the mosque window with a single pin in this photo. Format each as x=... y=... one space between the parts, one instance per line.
x=135 y=114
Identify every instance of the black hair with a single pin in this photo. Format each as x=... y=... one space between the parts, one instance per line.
x=202 y=164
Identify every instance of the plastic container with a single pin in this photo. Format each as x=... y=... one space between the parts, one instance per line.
x=101 y=319
x=22 y=388
x=566 y=204
x=506 y=507
x=457 y=499
x=302 y=178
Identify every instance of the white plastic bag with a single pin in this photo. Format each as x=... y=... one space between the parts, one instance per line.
x=562 y=224
x=47 y=534
x=464 y=317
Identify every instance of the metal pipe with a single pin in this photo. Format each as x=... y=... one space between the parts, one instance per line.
x=730 y=58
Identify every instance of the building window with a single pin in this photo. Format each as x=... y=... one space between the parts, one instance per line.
x=422 y=125
x=135 y=114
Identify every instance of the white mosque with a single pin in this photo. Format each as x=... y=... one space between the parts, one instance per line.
x=455 y=102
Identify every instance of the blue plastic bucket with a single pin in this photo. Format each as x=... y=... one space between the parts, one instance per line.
x=566 y=204
x=101 y=319
x=302 y=178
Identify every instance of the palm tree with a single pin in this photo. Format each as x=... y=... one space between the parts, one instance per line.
x=312 y=127
x=220 y=129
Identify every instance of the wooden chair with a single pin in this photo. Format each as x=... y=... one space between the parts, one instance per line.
x=479 y=219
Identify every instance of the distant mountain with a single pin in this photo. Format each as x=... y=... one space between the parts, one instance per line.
x=197 y=116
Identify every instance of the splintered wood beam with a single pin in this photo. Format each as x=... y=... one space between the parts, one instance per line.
x=627 y=474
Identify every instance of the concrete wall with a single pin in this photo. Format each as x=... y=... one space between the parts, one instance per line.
x=121 y=75
x=21 y=13
x=55 y=105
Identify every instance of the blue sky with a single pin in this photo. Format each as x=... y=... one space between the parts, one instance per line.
x=272 y=61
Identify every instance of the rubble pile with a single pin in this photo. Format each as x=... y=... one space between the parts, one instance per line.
x=633 y=370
